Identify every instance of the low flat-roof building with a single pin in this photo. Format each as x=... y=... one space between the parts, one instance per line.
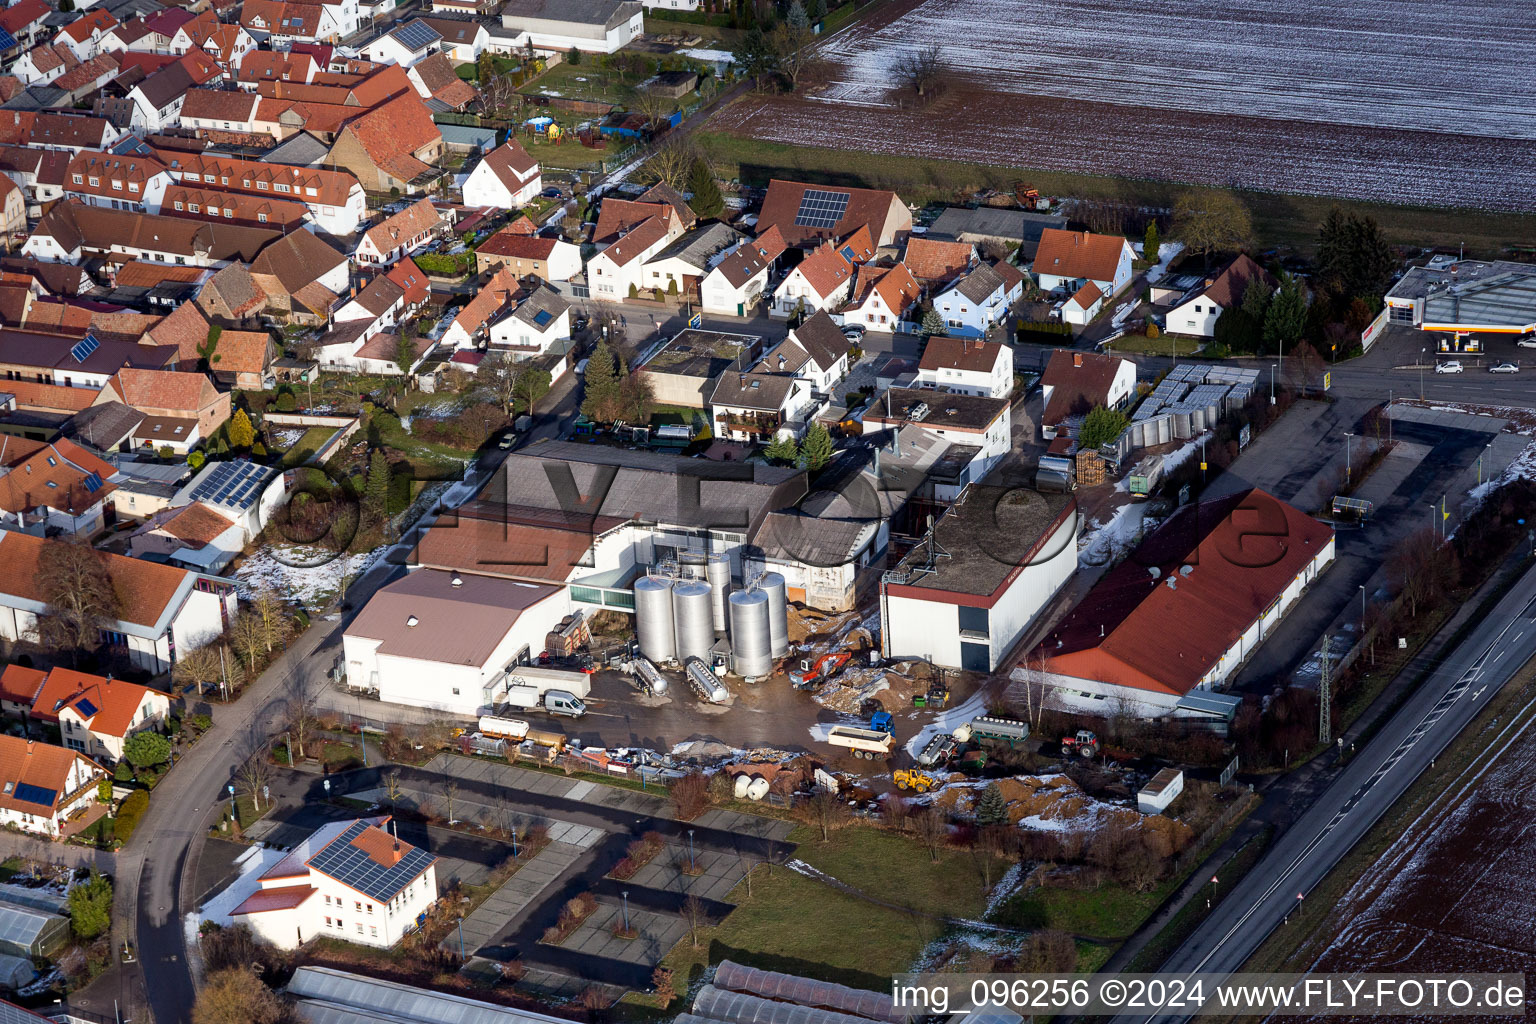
x=1464 y=298
x=964 y=595
x=959 y=419
x=683 y=371
x=1185 y=610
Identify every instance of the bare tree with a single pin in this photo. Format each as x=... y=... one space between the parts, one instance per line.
x=247 y=637
x=201 y=666
x=919 y=69
x=694 y=918
x=672 y=161
x=931 y=829
x=653 y=107
x=73 y=581
x=300 y=699
x=824 y=811
x=793 y=43
x=499 y=376
x=993 y=844
x=272 y=613
x=450 y=797
x=392 y=789
x=1211 y=221
x=254 y=775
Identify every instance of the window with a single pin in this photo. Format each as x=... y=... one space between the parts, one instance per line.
x=374 y=930
x=78 y=179
x=359 y=927
x=370 y=908
x=261 y=217
x=455 y=691
x=95 y=182
x=193 y=207
x=133 y=186
x=359 y=905
x=224 y=180
x=261 y=186
x=178 y=204
x=327 y=920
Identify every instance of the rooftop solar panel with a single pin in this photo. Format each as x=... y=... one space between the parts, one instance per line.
x=31 y=794
x=85 y=707
x=84 y=347
x=352 y=867
x=821 y=209
x=416 y=35
x=543 y=317
x=93 y=481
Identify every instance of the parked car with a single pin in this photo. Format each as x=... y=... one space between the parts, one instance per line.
x=551 y=193
x=507 y=440
x=1449 y=366
x=1527 y=341
x=1504 y=368
x=854 y=333
x=581 y=368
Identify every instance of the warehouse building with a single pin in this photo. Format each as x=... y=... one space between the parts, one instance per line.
x=1176 y=619
x=963 y=596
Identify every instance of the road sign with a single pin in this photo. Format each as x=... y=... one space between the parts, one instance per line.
x=1327 y=380
x=696 y=321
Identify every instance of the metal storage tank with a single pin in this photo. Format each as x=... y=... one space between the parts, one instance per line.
x=718 y=572
x=653 y=618
x=692 y=564
x=692 y=619
x=751 y=647
x=772 y=584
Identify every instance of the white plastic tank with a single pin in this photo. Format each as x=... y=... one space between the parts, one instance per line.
x=772 y=584
x=751 y=646
x=758 y=788
x=653 y=618
x=692 y=619
x=718 y=572
x=739 y=788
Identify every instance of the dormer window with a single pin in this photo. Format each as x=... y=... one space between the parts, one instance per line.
x=79 y=180
x=95 y=182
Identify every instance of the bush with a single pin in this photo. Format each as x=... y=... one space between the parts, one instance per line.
x=146 y=749
x=90 y=906
x=286 y=402
x=104 y=791
x=466 y=429
x=689 y=796
x=200 y=722
x=122 y=772
x=195 y=460
x=128 y=815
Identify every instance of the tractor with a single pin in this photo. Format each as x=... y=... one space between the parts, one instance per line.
x=910 y=778
x=1084 y=744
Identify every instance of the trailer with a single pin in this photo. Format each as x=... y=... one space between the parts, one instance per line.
x=704 y=682
x=649 y=675
x=938 y=750
x=998 y=730
x=867 y=743
x=514 y=729
x=1146 y=477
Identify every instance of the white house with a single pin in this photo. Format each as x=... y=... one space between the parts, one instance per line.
x=1067 y=260
x=982 y=423
x=980 y=299
x=54 y=486
x=97 y=714
x=1006 y=554
x=593 y=26
x=192 y=536
x=1197 y=312
x=826 y=350
x=335 y=199
x=1075 y=383
x=245 y=493
x=614 y=271
x=967 y=366
x=44 y=785
x=163 y=608
x=734 y=286
x=83 y=35
x=507 y=178
x=351 y=880
x=760 y=405
x=881 y=297
x=821 y=281
x=1083 y=306
x=527 y=254
x=42 y=64
x=400 y=234
x=404 y=44
x=118 y=182
x=445 y=640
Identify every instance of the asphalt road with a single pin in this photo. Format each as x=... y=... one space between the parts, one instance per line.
x=1403 y=750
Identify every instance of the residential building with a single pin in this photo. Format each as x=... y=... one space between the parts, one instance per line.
x=97 y=714
x=192 y=536
x=615 y=273
x=404 y=44
x=52 y=486
x=394 y=145
x=464 y=39
x=683 y=370
x=827 y=353
x=72 y=231
x=1234 y=564
x=967 y=366
x=349 y=880
x=736 y=284
x=808 y=215
x=881 y=297
x=981 y=423
x=1083 y=305
x=119 y=182
x=821 y=281
x=963 y=596
x=1067 y=260
x=1076 y=383
x=44 y=785
x=283 y=24
x=180 y=408
x=680 y=267
x=13 y=208
x=593 y=26
x=83 y=35
x=528 y=255
x=1197 y=312
x=334 y=199
x=524 y=319
x=211 y=111
x=936 y=263
x=162 y=609
x=302 y=276
x=996 y=229
x=245 y=493
x=507 y=178
x=402 y=233
x=980 y=299
x=759 y=405
x=42 y=64
x=437 y=82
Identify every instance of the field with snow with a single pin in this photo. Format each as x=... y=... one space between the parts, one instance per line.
x=1458 y=890
x=1395 y=100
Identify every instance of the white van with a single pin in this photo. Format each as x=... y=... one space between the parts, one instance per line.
x=560 y=702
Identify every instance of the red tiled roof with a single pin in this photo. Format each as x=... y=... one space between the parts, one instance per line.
x=42 y=765
x=109 y=706
x=196 y=524
x=943 y=352
x=865 y=207
x=282 y=897
x=1078 y=254
x=144 y=390
x=1086 y=296
x=938 y=262
x=516 y=245
x=391 y=133
x=54 y=474
x=619 y=215
x=399 y=228
x=144 y=589
x=51 y=397
x=895 y=286
x=1227 y=287
x=1243 y=551
x=20 y=685
x=1078 y=382
x=825 y=269
x=639 y=239
x=412 y=280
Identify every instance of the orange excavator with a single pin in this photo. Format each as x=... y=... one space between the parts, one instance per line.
x=825 y=667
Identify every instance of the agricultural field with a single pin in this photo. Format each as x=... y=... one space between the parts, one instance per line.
x=1373 y=101
x=1402 y=916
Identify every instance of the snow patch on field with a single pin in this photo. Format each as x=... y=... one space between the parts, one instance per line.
x=1523 y=468
x=310 y=586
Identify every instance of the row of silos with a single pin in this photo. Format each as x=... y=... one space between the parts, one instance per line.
x=680 y=610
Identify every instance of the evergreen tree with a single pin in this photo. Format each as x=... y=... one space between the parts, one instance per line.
x=933 y=323
x=376 y=489
x=1286 y=316
x=992 y=808
x=1255 y=300
x=816 y=452
x=817 y=10
x=405 y=351
x=756 y=55
x=797 y=18
x=601 y=385
x=241 y=433
x=1353 y=257
x=1151 y=245
x=783 y=450
x=707 y=201
x=1101 y=426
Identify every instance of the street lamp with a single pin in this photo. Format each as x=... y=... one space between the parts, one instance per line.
x=1271 y=383
x=1362 y=609
x=1348 y=470
x=1423 y=356
x=692 y=866
x=625 y=894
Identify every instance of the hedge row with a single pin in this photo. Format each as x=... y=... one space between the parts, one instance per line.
x=133 y=807
x=691 y=17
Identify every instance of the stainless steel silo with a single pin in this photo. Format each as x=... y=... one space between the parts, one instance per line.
x=692 y=619
x=653 y=618
x=772 y=584
x=718 y=572
x=692 y=563
x=751 y=646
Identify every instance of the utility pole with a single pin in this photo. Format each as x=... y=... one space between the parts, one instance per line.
x=1325 y=697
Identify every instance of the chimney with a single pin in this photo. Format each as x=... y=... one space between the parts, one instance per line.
x=29 y=747
x=1077 y=359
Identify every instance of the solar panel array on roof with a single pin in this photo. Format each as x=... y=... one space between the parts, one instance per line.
x=35 y=794
x=84 y=347
x=820 y=209
x=232 y=484
x=416 y=35
x=7 y=41
x=352 y=867
x=543 y=317
x=85 y=707
x=93 y=481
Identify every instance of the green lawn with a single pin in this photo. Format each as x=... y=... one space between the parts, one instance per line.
x=306 y=446
x=568 y=154
x=896 y=869
x=1167 y=345
x=586 y=82
x=1109 y=912
x=1279 y=220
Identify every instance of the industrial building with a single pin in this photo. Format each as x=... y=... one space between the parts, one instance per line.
x=964 y=595
x=1176 y=619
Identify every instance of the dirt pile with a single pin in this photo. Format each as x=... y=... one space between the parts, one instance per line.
x=1053 y=803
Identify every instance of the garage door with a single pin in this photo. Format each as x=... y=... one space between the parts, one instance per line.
x=975 y=657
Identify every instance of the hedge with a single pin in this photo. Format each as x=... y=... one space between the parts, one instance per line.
x=128 y=815
x=691 y=17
